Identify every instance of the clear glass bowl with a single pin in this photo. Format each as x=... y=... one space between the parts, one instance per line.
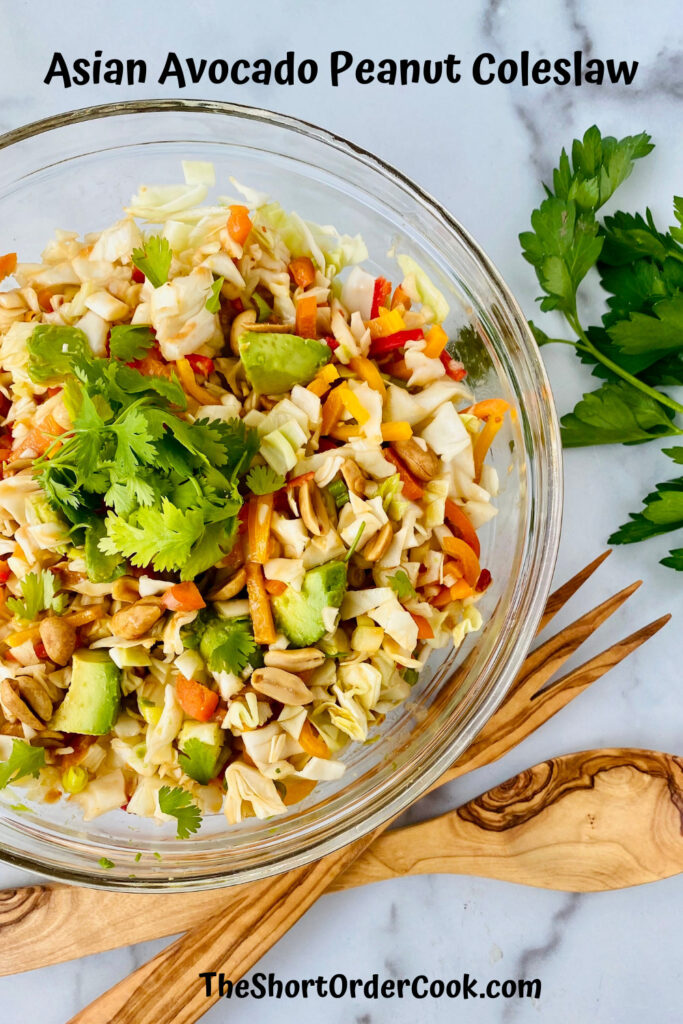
x=76 y=172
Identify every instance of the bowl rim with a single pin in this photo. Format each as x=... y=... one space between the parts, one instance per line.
x=548 y=537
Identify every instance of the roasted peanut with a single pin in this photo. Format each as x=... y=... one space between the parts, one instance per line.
x=281 y=686
x=59 y=639
x=312 y=508
x=133 y=622
x=242 y=322
x=422 y=462
x=296 y=660
x=16 y=707
x=377 y=545
x=126 y=589
x=353 y=478
x=231 y=588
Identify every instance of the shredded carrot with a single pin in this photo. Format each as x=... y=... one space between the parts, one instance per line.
x=8 y=264
x=39 y=439
x=303 y=271
x=333 y=407
x=411 y=488
x=353 y=404
x=187 y=379
x=258 y=525
x=306 y=316
x=461 y=551
x=196 y=700
x=368 y=372
x=483 y=442
x=259 y=605
x=85 y=615
x=297 y=481
x=436 y=339
x=297 y=790
x=388 y=322
x=344 y=432
x=488 y=407
x=398 y=431
x=459 y=522
x=239 y=224
x=424 y=630
x=312 y=742
x=275 y=587
x=183 y=597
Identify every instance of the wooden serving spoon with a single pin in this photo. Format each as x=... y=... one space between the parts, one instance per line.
x=586 y=822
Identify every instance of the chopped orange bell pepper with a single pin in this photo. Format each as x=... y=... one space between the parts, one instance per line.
x=333 y=407
x=488 y=407
x=401 y=298
x=397 y=431
x=183 y=597
x=463 y=554
x=411 y=488
x=461 y=590
x=344 y=432
x=259 y=605
x=258 y=526
x=312 y=742
x=461 y=524
x=387 y=323
x=297 y=790
x=353 y=404
x=424 y=630
x=307 y=316
x=302 y=271
x=484 y=440
x=239 y=224
x=436 y=339
x=196 y=700
x=8 y=264
x=368 y=372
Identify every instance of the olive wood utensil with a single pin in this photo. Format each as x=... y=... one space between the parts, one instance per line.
x=164 y=991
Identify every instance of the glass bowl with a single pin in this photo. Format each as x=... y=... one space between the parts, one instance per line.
x=76 y=171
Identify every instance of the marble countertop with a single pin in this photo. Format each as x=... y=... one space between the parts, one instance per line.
x=481 y=151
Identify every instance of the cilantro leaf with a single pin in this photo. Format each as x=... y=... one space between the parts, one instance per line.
x=213 y=303
x=162 y=537
x=154 y=259
x=106 y=864
x=674 y=560
x=135 y=383
x=54 y=350
x=39 y=594
x=178 y=803
x=401 y=585
x=23 y=760
x=129 y=342
x=616 y=413
x=227 y=645
x=198 y=760
x=264 y=480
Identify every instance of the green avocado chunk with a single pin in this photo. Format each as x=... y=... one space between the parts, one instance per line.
x=201 y=750
x=274 y=363
x=299 y=614
x=91 y=705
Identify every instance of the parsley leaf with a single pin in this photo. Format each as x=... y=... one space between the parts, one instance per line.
x=674 y=560
x=178 y=803
x=38 y=591
x=663 y=511
x=401 y=585
x=213 y=303
x=129 y=342
x=657 y=335
x=615 y=414
x=264 y=480
x=23 y=760
x=198 y=760
x=154 y=259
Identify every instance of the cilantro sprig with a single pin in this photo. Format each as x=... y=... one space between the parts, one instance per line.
x=39 y=592
x=154 y=259
x=264 y=480
x=178 y=803
x=24 y=760
x=401 y=585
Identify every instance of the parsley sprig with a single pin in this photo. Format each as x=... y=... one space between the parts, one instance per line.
x=638 y=347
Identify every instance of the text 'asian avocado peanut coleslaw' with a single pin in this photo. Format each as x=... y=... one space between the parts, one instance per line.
x=242 y=480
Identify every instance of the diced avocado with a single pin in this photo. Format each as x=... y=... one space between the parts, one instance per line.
x=91 y=705
x=274 y=363
x=299 y=614
x=201 y=750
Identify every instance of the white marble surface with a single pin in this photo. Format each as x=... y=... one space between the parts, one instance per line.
x=611 y=957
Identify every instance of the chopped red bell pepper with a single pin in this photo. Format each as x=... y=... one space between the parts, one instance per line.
x=381 y=345
x=40 y=651
x=238 y=305
x=380 y=295
x=201 y=364
x=5 y=572
x=5 y=405
x=327 y=444
x=137 y=276
x=331 y=341
x=483 y=582
x=454 y=369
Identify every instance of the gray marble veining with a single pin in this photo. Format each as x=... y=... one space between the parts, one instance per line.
x=481 y=150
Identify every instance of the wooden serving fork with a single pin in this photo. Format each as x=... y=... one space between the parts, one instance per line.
x=250 y=918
